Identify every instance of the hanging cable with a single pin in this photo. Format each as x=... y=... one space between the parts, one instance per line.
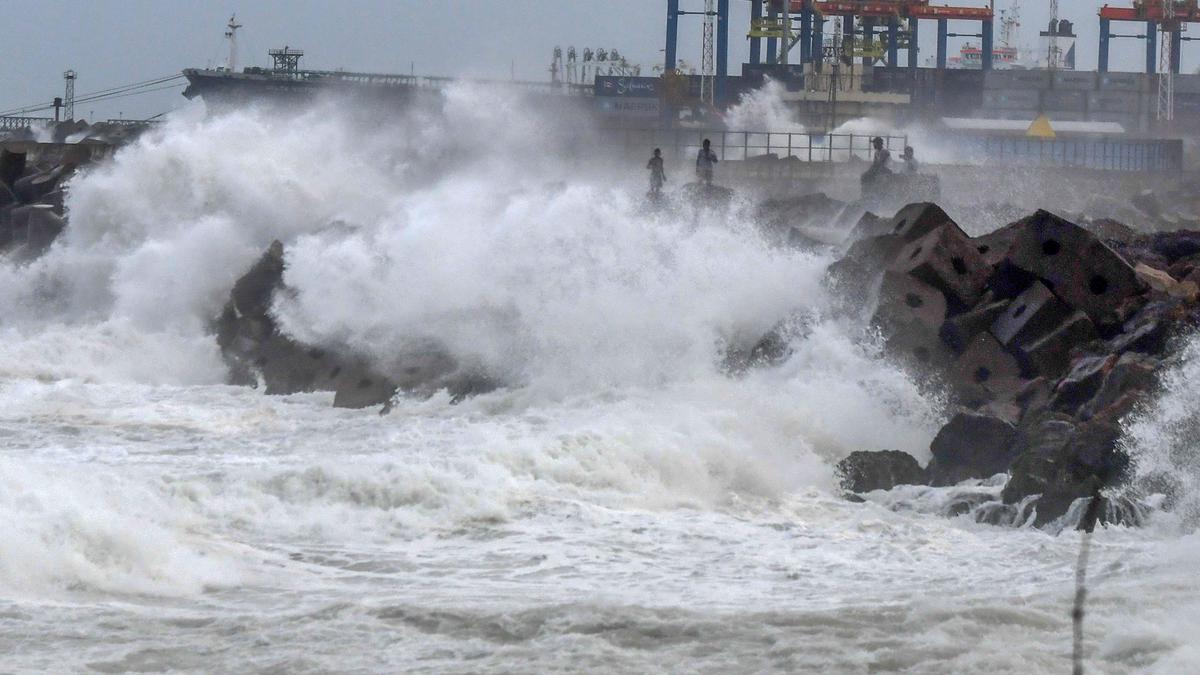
x=91 y=96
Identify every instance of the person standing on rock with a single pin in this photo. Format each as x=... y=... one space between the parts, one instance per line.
x=657 y=175
x=879 y=162
x=704 y=163
x=910 y=160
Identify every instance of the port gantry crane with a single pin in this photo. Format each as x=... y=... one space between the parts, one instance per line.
x=1169 y=17
x=890 y=14
x=774 y=21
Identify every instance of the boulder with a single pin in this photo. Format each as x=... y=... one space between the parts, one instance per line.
x=993 y=247
x=1033 y=314
x=857 y=272
x=1082 y=383
x=1066 y=465
x=12 y=166
x=1050 y=354
x=910 y=316
x=1163 y=282
x=958 y=330
x=971 y=445
x=986 y=373
x=30 y=189
x=356 y=386
x=869 y=225
x=883 y=470
x=1151 y=328
x=946 y=260
x=1079 y=268
x=1175 y=245
x=919 y=219
x=1132 y=373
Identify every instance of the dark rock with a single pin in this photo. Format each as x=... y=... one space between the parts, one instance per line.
x=1008 y=281
x=985 y=373
x=971 y=446
x=356 y=386
x=958 y=330
x=1050 y=355
x=883 y=470
x=910 y=315
x=993 y=247
x=945 y=259
x=919 y=219
x=1175 y=245
x=858 y=271
x=1063 y=462
x=31 y=189
x=870 y=225
x=1131 y=373
x=800 y=210
x=1033 y=314
x=1081 y=383
x=1034 y=396
x=42 y=227
x=253 y=293
x=1079 y=268
x=1149 y=330
x=1113 y=232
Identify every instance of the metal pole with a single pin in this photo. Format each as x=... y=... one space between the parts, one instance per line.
x=1105 y=37
x=787 y=32
x=722 y=49
x=1151 y=47
x=913 y=25
x=818 y=44
x=942 y=42
x=893 y=51
x=773 y=43
x=987 y=44
x=755 y=42
x=1176 y=47
x=868 y=38
x=672 y=34
x=806 y=18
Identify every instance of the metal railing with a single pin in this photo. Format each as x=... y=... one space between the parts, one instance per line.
x=1099 y=154
x=122 y=122
x=749 y=145
x=14 y=123
x=412 y=81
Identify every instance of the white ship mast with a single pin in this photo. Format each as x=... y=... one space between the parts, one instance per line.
x=231 y=35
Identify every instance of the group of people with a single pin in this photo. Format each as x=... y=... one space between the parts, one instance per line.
x=882 y=156
x=706 y=160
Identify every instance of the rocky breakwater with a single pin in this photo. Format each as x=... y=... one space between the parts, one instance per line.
x=258 y=352
x=1045 y=334
x=32 y=177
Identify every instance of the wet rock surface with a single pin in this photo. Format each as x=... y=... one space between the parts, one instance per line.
x=868 y=471
x=1054 y=332
x=257 y=351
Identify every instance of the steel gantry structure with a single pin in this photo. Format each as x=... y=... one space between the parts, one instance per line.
x=1166 y=16
x=721 y=15
x=773 y=20
x=770 y=20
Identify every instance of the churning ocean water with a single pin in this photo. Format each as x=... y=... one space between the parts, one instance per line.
x=623 y=504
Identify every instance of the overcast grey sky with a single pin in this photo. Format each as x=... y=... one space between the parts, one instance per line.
x=114 y=42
